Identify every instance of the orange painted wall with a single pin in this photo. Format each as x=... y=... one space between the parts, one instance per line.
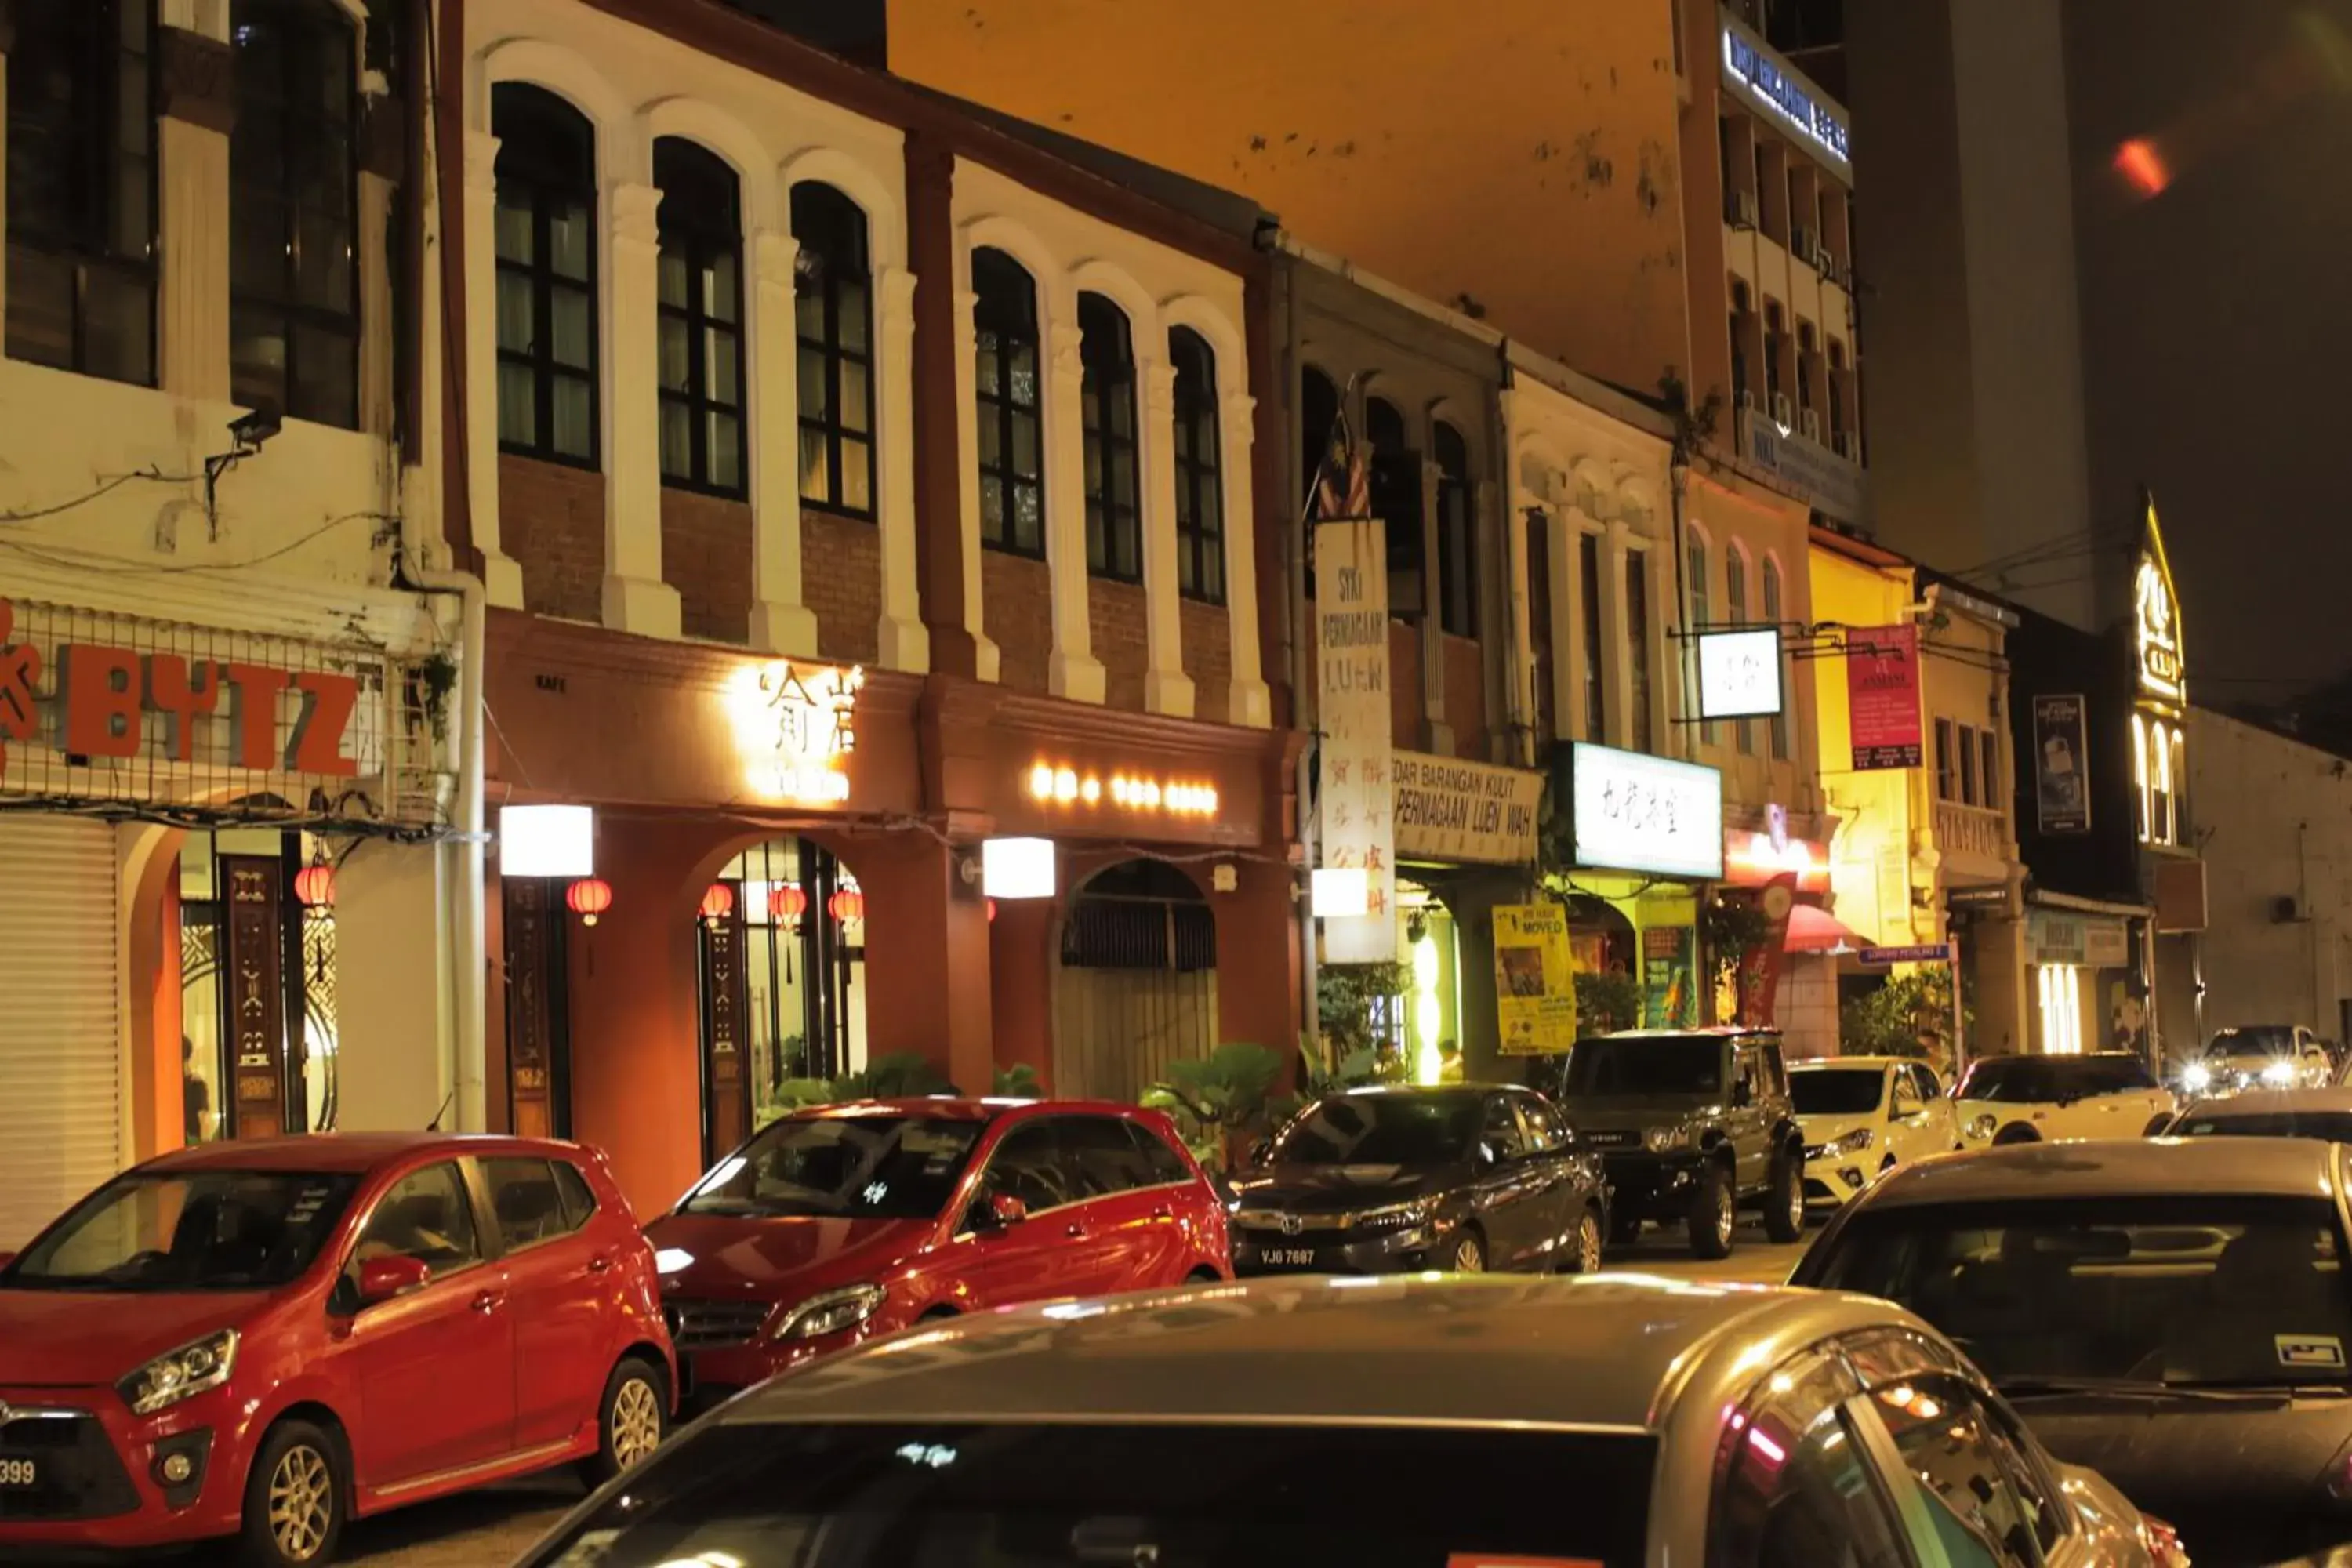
x=1525 y=152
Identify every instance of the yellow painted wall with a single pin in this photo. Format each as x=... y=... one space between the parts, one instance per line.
x=1870 y=856
x=1524 y=153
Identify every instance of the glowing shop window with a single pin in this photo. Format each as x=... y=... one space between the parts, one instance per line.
x=2061 y=1009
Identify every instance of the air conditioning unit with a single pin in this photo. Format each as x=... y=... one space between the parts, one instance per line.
x=1739 y=207
x=1747 y=397
x=1802 y=242
x=1811 y=422
x=1847 y=445
x=1826 y=263
x=1781 y=410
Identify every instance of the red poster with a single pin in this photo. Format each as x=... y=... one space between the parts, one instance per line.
x=1882 y=688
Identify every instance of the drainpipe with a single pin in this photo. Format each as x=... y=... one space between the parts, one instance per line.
x=1306 y=709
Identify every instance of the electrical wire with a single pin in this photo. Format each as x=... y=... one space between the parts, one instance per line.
x=65 y=557
x=150 y=472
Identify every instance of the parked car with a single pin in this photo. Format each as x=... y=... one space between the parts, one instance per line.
x=1378 y=1180
x=1607 y=1420
x=2321 y=1113
x=1692 y=1126
x=1863 y=1116
x=2172 y=1313
x=2259 y=1056
x=2023 y=1099
x=833 y=1225
x=263 y=1340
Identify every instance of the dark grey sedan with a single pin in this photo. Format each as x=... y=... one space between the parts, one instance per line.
x=1460 y=1177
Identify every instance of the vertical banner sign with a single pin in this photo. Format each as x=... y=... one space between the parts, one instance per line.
x=1760 y=966
x=256 y=990
x=1535 y=983
x=1669 y=977
x=2062 y=779
x=1882 y=691
x=1351 y=645
x=727 y=1094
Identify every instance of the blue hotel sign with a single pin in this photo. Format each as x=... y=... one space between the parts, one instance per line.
x=1762 y=76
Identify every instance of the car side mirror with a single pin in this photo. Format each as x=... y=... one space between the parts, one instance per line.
x=381 y=1279
x=1003 y=1211
x=1260 y=1152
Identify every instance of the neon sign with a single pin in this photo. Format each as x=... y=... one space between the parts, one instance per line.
x=1052 y=783
x=796 y=725
x=2155 y=621
x=1762 y=76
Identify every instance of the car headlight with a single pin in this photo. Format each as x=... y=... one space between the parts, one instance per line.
x=1394 y=1216
x=2279 y=1075
x=1658 y=1139
x=831 y=1312
x=179 y=1374
x=1854 y=1142
x=1982 y=1127
x=2196 y=1077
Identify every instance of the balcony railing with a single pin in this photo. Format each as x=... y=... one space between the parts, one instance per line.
x=1971 y=830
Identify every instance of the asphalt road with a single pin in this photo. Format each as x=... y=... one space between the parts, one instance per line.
x=491 y=1529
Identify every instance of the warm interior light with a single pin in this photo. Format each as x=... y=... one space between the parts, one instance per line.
x=1017 y=868
x=1340 y=892
x=1428 y=1017
x=1041 y=782
x=547 y=841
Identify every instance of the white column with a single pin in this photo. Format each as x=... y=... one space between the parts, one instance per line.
x=1166 y=688
x=1617 y=681
x=501 y=574
x=1072 y=670
x=636 y=598
x=987 y=659
x=1564 y=547
x=904 y=642
x=192 y=311
x=393 y=979
x=376 y=400
x=1248 y=702
x=780 y=622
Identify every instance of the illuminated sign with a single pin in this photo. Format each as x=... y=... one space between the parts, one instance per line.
x=796 y=725
x=2155 y=630
x=1740 y=674
x=547 y=841
x=1757 y=859
x=1635 y=812
x=1059 y=784
x=1779 y=90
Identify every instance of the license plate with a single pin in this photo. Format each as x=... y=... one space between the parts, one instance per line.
x=1288 y=1256
x=19 y=1473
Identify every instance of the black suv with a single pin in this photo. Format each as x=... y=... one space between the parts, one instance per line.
x=1692 y=1125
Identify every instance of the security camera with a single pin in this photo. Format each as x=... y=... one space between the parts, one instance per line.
x=252 y=429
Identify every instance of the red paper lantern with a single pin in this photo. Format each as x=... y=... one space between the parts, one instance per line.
x=588 y=898
x=717 y=902
x=314 y=886
x=788 y=902
x=847 y=906
x=992 y=911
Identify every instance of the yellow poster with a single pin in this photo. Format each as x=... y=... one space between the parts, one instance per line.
x=1535 y=983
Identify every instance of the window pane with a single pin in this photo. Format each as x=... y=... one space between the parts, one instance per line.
x=808 y=313
x=517 y=405
x=1028 y=516
x=573 y=335
x=257 y=357
x=1024 y=444
x=326 y=378
x=514 y=229
x=676 y=373
x=726 y=452
x=676 y=440
x=816 y=388
x=323 y=270
x=117 y=326
x=991 y=439
x=515 y=315
x=569 y=240
x=132 y=234
x=855 y=397
x=257 y=233
x=427 y=1217
x=856 y=476
x=1122 y=477
x=575 y=416
x=992 y=508
x=1023 y=376
x=673 y=273
x=40 y=307
x=719 y=288
x=816 y=483
x=528 y=1206
x=987 y=368
x=722 y=378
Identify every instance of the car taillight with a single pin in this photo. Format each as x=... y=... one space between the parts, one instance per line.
x=2163 y=1542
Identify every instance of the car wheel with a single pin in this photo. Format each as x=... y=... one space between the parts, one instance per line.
x=1585 y=1247
x=1784 y=1210
x=632 y=1420
x=1468 y=1254
x=2015 y=1133
x=1711 y=1214
x=293 y=1498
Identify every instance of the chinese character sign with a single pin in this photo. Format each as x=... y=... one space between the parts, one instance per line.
x=797 y=726
x=1351 y=645
x=1534 y=987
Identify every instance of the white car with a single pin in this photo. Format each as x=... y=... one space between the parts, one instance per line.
x=2259 y=1056
x=1863 y=1116
x=2029 y=1100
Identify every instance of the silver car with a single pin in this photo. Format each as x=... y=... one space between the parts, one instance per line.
x=1440 y=1422
x=2324 y=1113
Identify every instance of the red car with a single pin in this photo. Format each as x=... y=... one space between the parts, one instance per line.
x=836 y=1224
x=265 y=1340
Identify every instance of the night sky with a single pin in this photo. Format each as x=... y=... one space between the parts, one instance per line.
x=2217 y=314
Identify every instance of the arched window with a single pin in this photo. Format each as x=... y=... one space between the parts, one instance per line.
x=1318 y=419
x=294 y=308
x=702 y=224
x=2142 y=780
x=1200 y=469
x=1695 y=570
x=1457 y=544
x=1012 y=463
x=1106 y=393
x=547 y=275
x=1396 y=501
x=81 y=188
x=1734 y=609
x=1780 y=723
x=833 y=305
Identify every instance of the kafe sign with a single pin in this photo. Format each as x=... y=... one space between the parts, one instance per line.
x=1457 y=811
x=1634 y=812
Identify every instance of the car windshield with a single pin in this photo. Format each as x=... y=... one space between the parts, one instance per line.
x=1837 y=1091
x=992 y=1495
x=2040 y=1080
x=877 y=1166
x=1382 y=1129
x=2168 y=1287
x=211 y=1230
x=2251 y=1044
x=1645 y=1064
x=2328 y=1126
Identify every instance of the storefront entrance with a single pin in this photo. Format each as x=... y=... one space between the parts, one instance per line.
x=1137 y=984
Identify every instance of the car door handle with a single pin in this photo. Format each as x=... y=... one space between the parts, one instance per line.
x=1075 y=1231
x=600 y=1263
x=1163 y=1212
x=489 y=1301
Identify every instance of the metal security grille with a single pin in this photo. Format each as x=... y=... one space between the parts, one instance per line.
x=1138 y=986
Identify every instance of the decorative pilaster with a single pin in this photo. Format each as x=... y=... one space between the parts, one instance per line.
x=376 y=405
x=1166 y=688
x=1248 y=701
x=1072 y=670
x=196 y=89
x=905 y=642
x=986 y=657
x=780 y=621
x=501 y=574
x=636 y=597
x=1617 y=682
x=1519 y=657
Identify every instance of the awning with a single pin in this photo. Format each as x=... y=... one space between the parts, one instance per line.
x=1813 y=929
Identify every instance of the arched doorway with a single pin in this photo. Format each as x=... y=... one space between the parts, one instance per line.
x=1137 y=984
x=780 y=982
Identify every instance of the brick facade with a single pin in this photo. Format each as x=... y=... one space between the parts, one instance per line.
x=1115 y=613
x=707 y=557
x=841 y=581
x=1209 y=659
x=1017 y=613
x=551 y=521
x=1407 y=712
x=1465 y=696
